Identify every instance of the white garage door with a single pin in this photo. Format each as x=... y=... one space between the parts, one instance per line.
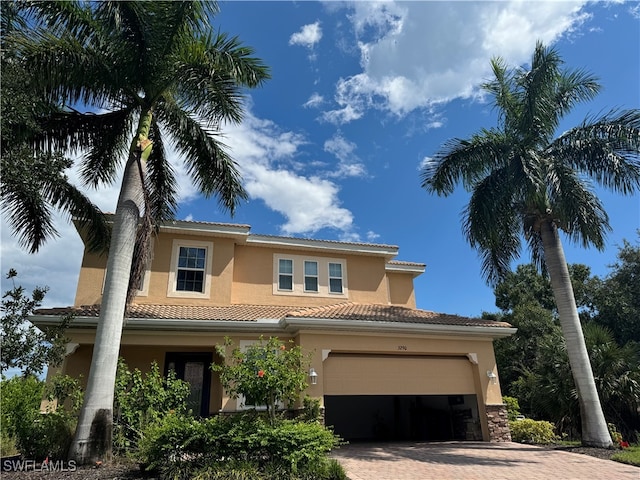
x=358 y=374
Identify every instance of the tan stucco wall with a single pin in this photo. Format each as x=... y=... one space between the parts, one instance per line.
x=401 y=291
x=245 y=274
x=254 y=277
x=91 y=279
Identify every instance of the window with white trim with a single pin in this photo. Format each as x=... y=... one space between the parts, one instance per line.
x=190 y=273
x=310 y=276
x=285 y=274
x=300 y=275
x=335 y=277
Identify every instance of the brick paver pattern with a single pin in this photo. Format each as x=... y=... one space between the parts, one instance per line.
x=474 y=461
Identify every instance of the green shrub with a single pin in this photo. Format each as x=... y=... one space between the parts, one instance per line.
x=142 y=399
x=513 y=407
x=20 y=399
x=532 y=431
x=310 y=409
x=185 y=447
x=40 y=435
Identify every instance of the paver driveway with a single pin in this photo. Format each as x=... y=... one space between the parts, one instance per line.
x=474 y=461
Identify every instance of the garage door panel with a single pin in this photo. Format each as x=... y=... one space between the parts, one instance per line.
x=398 y=375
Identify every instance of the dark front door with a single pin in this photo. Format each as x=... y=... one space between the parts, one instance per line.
x=194 y=369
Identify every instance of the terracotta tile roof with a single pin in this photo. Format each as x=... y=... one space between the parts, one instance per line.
x=389 y=313
x=183 y=312
x=248 y=313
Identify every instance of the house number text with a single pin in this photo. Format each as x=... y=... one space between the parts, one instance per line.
x=402 y=347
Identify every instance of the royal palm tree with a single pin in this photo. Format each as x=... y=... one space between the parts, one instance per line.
x=528 y=184
x=131 y=73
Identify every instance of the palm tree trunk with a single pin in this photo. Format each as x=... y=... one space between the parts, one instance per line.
x=93 y=438
x=594 y=426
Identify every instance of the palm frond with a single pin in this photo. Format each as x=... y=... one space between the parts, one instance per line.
x=24 y=206
x=502 y=88
x=465 y=160
x=210 y=73
x=104 y=137
x=210 y=167
x=492 y=225
x=161 y=180
x=573 y=87
x=575 y=208
x=607 y=149
x=32 y=186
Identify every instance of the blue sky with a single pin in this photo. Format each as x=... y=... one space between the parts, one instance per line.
x=361 y=95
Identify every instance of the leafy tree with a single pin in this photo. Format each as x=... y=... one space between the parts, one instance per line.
x=156 y=69
x=267 y=372
x=526 y=184
x=522 y=351
x=546 y=388
x=33 y=181
x=617 y=299
x=23 y=345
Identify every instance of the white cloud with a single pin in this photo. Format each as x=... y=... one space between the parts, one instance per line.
x=419 y=54
x=349 y=164
x=307 y=202
x=315 y=100
x=308 y=36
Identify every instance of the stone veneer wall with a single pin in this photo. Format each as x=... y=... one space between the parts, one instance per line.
x=498 y=423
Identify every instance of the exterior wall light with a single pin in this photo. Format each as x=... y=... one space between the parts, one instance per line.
x=313 y=376
x=492 y=377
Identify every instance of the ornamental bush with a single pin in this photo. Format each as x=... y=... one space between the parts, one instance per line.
x=532 y=431
x=268 y=372
x=183 y=447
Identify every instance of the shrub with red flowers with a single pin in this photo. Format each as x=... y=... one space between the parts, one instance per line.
x=269 y=372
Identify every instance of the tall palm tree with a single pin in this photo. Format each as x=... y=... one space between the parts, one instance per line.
x=527 y=184
x=139 y=71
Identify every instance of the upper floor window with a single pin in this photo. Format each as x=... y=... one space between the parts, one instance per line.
x=285 y=274
x=306 y=275
x=310 y=276
x=335 y=277
x=190 y=273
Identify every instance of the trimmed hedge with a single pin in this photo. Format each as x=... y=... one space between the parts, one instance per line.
x=532 y=431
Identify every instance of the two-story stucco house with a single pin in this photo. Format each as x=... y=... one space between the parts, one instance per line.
x=381 y=368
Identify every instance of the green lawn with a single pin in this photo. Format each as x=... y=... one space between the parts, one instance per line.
x=629 y=455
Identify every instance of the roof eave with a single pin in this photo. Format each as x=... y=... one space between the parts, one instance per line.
x=300 y=323
x=171 y=324
x=286 y=324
